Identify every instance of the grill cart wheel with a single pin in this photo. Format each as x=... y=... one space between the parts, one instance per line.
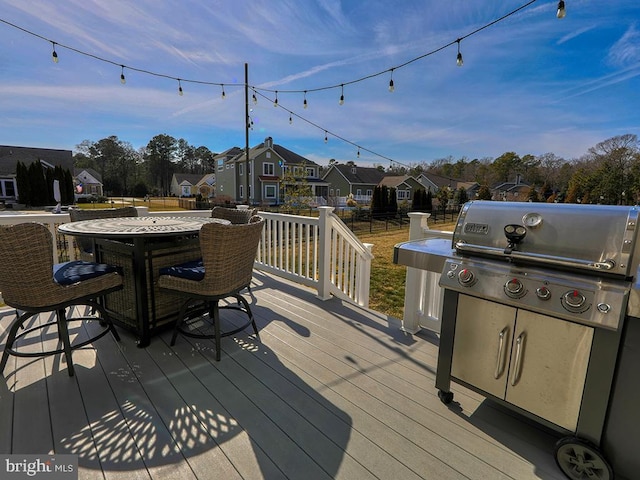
x=445 y=397
x=580 y=460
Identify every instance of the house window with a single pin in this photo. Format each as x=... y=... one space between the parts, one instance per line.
x=337 y=192
x=269 y=191
x=249 y=168
x=403 y=194
x=267 y=169
x=311 y=172
x=241 y=191
x=240 y=169
x=220 y=165
x=369 y=192
x=358 y=192
x=331 y=192
x=268 y=154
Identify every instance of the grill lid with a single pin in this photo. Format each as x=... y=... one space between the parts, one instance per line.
x=596 y=238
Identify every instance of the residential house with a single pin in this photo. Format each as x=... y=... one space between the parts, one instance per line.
x=405 y=186
x=206 y=186
x=87 y=183
x=433 y=183
x=262 y=180
x=517 y=191
x=184 y=184
x=350 y=181
x=9 y=158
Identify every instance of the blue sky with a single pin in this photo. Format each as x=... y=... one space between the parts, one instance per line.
x=531 y=83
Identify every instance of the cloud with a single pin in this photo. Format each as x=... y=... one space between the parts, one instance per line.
x=626 y=51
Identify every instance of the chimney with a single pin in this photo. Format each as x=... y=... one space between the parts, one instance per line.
x=268 y=142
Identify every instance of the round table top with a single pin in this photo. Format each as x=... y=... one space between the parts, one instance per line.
x=137 y=226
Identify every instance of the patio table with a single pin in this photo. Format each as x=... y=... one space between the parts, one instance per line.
x=141 y=246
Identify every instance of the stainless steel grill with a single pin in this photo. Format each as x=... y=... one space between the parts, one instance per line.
x=536 y=297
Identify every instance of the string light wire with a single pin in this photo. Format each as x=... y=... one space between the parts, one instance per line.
x=257 y=90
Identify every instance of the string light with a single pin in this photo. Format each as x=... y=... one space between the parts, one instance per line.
x=54 y=54
x=459 y=60
x=255 y=99
x=304 y=104
x=122 y=79
x=224 y=95
x=275 y=102
x=358 y=152
x=391 y=86
x=180 y=92
x=561 y=10
x=290 y=119
x=326 y=139
x=341 y=102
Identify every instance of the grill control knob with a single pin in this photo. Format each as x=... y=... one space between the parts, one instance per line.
x=543 y=293
x=514 y=288
x=466 y=277
x=574 y=301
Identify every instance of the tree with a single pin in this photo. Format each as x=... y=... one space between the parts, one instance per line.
x=460 y=197
x=506 y=165
x=484 y=193
x=160 y=157
x=296 y=191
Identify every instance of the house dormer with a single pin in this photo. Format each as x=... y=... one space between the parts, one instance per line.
x=268 y=142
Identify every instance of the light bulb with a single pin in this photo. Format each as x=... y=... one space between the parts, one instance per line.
x=358 y=153
x=326 y=139
x=304 y=104
x=275 y=102
x=224 y=95
x=341 y=101
x=391 y=86
x=290 y=120
x=459 y=60
x=180 y=92
x=54 y=54
x=561 y=10
x=255 y=99
x=122 y=79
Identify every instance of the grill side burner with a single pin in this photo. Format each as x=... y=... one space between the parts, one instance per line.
x=536 y=297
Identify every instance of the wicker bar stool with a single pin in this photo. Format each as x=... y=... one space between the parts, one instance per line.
x=31 y=283
x=234 y=215
x=228 y=253
x=85 y=245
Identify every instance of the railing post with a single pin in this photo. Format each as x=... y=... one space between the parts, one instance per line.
x=364 y=279
x=414 y=290
x=324 y=254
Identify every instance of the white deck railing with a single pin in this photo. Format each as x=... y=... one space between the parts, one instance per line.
x=423 y=296
x=320 y=252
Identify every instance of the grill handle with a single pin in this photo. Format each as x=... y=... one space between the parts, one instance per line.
x=518 y=362
x=501 y=353
x=546 y=259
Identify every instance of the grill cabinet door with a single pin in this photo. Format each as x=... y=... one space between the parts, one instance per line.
x=553 y=357
x=482 y=344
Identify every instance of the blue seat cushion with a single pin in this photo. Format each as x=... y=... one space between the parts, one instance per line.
x=193 y=270
x=68 y=273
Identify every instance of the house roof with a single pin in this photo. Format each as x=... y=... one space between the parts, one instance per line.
x=229 y=153
x=188 y=178
x=87 y=175
x=10 y=156
x=287 y=155
x=394 y=180
x=358 y=175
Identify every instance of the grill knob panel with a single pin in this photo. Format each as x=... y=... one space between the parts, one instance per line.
x=514 y=288
x=466 y=277
x=574 y=301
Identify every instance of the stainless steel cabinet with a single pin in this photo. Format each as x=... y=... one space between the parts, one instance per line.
x=535 y=362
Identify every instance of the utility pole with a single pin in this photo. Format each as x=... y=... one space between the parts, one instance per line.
x=247 y=123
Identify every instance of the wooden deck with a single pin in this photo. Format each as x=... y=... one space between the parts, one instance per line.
x=331 y=391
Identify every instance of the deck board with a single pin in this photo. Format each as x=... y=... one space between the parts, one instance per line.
x=332 y=390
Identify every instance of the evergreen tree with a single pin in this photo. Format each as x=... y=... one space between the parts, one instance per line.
x=392 y=205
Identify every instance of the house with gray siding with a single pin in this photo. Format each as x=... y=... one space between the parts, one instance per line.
x=262 y=179
x=351 y=181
